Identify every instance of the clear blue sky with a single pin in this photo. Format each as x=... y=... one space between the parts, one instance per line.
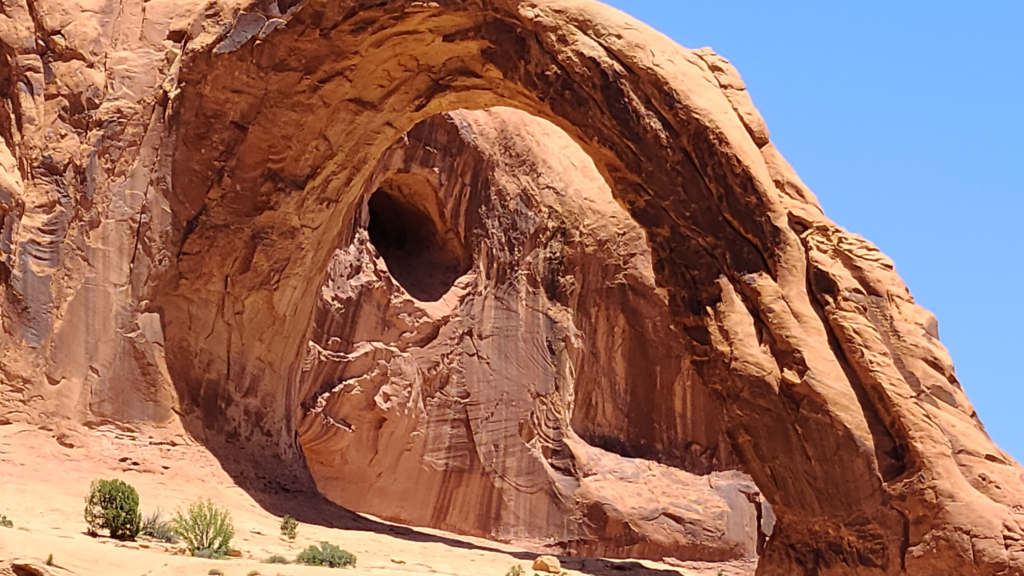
x=906 y=119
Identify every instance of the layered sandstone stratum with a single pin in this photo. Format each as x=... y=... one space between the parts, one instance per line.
x=614 y=321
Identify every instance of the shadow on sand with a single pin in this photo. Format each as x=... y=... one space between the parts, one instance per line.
x=289 y=489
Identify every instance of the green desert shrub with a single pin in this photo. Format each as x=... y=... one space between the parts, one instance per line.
x=155 y=527
x=5 y=523
x=276 y=559
x=326 y=555
x=209 y=554
x=113 y=505
x=205 y=529
x=215 y=572
x=516 y=570
x=49 y=560
x=253 y=573
x=289 y=527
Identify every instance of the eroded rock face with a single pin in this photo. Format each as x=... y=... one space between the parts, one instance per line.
x=176 y=177
x=493 y=317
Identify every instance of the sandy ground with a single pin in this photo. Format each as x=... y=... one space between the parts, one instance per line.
x=45 y=476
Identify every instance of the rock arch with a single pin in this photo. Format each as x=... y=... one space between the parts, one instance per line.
x=839 y=399
x=522 y=402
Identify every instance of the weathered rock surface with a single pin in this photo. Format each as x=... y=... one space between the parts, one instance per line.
x=177 y=175
x=548 y=564
x=35 y=568
x=469 y=397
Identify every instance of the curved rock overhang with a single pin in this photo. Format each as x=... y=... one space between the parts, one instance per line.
x=516 y=401
x=838 y=398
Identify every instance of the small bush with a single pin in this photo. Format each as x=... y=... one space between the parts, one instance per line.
x=49 y=560
x=289 y=527
x=276 y=559
x=215 y=572
x=326 y=555
x=113 y=505
x=209 y=554
x=253 y=573
x=155 y=527
x=516 y=570
x=5 y=523
x=206 y=529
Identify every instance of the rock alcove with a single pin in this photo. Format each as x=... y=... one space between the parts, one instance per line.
x=492 y=413
x=423 y=254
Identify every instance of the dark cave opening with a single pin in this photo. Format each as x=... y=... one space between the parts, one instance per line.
x=422 y=253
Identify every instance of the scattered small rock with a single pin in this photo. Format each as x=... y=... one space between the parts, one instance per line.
x=548 y=564
x=397 y=561
x=65 y=440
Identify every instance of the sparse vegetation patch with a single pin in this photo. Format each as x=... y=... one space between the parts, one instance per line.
x=289 y=527
x=209 y=554
x=113 y=505
x=276 y=559
x=326 y=555
x=206 y=529
x=5 y=522
x=156 y=527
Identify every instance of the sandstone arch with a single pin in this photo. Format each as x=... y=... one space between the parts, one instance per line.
x=840 y=401
x=806 y=332
x=520 y=404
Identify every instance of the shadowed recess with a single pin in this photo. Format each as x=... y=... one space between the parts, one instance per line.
x=422 y=253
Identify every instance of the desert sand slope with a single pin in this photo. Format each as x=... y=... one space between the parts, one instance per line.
x=44 y=482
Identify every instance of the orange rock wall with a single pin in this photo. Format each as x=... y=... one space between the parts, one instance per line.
x=177 y=175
